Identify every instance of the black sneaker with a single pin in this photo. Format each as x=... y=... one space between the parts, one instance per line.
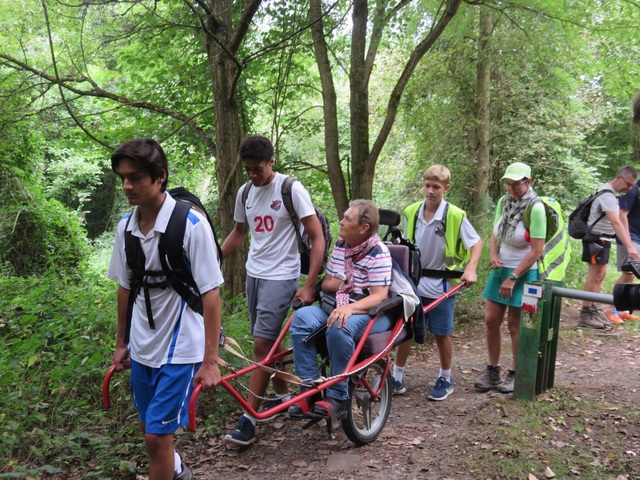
x=244 y=434
x=267 y=404
x=490 y=378
x=184 y=475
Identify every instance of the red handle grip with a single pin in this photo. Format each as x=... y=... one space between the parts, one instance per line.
x=193 y=402
x=106 y=399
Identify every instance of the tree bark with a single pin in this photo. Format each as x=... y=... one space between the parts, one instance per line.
x=330 y=109
x=361 y=176
x=225 y=69
x=483 y=119
x=362 y=184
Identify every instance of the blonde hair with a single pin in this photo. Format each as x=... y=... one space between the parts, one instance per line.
x=368 y=214
x=439 y=173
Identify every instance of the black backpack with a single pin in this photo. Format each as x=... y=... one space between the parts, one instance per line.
x=176 y=270
x=304 y=241
x=578 y=225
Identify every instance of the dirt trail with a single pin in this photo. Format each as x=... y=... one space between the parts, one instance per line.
x=440 y=440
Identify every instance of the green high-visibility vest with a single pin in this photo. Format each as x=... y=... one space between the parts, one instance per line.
x=556 y=253
x=456 y=255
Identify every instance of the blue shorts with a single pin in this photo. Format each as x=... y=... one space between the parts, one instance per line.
x=498 y=276
x=269 y=302
x=440 y=317
x=161 y=395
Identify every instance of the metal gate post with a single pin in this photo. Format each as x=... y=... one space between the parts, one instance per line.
x=537 y=340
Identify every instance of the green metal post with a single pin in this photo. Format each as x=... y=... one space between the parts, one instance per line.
x=537 y=341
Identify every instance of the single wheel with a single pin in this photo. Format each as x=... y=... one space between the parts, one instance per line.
x=367 y=417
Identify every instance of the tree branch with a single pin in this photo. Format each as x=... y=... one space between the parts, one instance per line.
x=423 y=47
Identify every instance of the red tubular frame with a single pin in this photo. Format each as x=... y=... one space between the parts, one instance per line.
x=351 y=368
x=273 y=356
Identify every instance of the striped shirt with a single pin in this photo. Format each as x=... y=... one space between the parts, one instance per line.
x=374 y=270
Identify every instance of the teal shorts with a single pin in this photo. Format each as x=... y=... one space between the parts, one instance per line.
x=498 y=276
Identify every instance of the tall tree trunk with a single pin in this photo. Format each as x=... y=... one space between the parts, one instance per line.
x=483 y=98
x=361 y=177
x=224 y=71
x=330 y=108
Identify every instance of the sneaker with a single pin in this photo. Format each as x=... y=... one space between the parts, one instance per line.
x=509 y=382
x=589 y=318
x=490 y=378
x=244 y=434
x=612 y=316
x=184 y=475
x=626 y=316
x=397 y=388
x=442 y=390
x=267 y=404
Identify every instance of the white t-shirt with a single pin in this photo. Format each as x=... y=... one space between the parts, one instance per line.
x=273 y=252
x=179 y=334
x=511 y=254
x=431 y=241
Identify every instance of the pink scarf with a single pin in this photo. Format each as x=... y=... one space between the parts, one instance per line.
x=351 y=256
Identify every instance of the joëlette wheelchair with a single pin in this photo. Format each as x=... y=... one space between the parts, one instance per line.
x=368 y=370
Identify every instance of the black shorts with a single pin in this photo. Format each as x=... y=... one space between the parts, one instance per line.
x=597 y=252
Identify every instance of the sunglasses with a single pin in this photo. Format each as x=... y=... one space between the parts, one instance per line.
x=516 y=184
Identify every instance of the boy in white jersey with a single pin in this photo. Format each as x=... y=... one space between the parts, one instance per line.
x=273 y=264
x=171 y=347
x=443 y=234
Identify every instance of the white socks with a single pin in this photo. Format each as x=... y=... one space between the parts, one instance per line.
x=253 y=419
x=446 y=374
x=398 y=372
x=177 y=462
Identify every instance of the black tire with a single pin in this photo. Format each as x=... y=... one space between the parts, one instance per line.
x=366 y=418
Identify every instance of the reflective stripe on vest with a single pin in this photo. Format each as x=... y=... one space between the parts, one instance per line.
x=556 y=253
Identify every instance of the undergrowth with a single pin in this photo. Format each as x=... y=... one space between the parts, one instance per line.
x=58 y=339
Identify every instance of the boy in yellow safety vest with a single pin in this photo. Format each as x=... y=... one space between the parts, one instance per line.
x=450 y=251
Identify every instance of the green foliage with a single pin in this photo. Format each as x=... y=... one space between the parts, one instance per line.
x=37 y=234
x=57 y=339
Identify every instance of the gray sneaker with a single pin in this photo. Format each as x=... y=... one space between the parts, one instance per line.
x=590 y=318
x=184 y=475
x=490 y=378
x=509 y=382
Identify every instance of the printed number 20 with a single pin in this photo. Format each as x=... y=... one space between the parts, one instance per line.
x=264 y=223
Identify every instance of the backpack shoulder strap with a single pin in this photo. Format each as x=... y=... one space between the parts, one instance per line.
x=136 y=262
x=526 y=215
x=171 y=241
x=245 y=194
x=444 y=217
x=170 y=250
x=287 y=199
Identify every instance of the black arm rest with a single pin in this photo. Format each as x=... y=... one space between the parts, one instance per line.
x=384 y=306
x=313 y=335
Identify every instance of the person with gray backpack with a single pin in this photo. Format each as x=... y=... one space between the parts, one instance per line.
x=604 y=224
x=273 y=265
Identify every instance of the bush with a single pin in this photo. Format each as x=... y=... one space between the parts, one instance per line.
x=38 y=234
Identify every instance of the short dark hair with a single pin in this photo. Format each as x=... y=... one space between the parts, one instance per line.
x=256 y=147
x=147 y=154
